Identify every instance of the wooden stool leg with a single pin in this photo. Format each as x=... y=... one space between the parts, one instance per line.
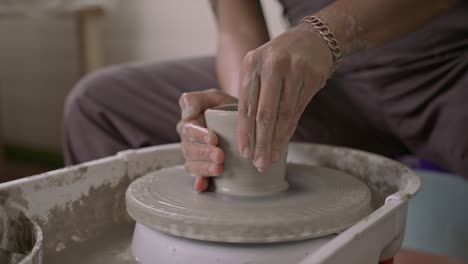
x=89 y=23
x=2 y=159
x=2 y=148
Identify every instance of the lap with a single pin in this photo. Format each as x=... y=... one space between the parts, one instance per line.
x=420 y=104
x=431 y=118
x=141 y=100
x=419 y=108
x=346 y=113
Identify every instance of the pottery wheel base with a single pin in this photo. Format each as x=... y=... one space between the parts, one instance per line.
x=319 y=201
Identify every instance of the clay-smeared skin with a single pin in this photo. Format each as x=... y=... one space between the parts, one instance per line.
x=288 y=79
x=254 y=92
x=199 y=144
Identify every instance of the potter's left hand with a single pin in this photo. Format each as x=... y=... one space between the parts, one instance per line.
x=278 y=80
x=199 y=144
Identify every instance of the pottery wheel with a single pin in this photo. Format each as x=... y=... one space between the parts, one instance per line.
x=319 y=201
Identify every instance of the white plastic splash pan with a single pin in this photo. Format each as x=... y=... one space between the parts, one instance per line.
x=81 y=211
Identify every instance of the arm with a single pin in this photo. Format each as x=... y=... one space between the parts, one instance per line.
x=294 y=66
x=241 y=28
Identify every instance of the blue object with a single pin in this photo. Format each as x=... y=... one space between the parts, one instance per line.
x=416 y=163
x=437 y=219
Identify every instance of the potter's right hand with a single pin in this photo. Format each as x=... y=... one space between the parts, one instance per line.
x=202 y=157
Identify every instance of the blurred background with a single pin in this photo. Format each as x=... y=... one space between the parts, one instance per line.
x=47 y=45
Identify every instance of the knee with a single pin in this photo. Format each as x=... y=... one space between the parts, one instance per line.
x=94 y=85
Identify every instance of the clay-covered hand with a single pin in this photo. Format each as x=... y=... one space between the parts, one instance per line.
x=278 y=80
x=202 y=157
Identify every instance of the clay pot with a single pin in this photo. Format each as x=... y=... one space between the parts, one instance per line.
x=239 y=176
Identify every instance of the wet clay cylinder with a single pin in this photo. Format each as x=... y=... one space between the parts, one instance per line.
x=239 y=176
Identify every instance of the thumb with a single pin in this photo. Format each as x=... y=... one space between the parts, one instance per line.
x=194 y=103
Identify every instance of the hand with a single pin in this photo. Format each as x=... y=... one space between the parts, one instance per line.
x=278 y=80
x=202 y=157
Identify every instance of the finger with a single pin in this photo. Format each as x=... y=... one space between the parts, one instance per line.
x=266 y=120
x=305 y=95
x=201 y=184
x=199 y=169
x=195 y=152
x=198 y=121
x=192 y=132
x=194 y=103
x=181 y=126
x=247 y=107
x=289 y=99
x=270 y=93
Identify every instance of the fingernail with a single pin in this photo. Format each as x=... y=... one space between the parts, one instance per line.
x=206 y=139
x=275 y=156
x=183 y=104
x=260 y=163
x=215 y=157
x=246 y=153
x=213 y=168
x=187 y=111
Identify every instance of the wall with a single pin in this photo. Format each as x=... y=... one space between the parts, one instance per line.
x=38 y=62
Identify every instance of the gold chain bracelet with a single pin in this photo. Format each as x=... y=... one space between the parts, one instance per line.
x=327 y=35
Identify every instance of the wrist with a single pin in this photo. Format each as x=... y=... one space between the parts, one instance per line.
x=327 y=36
x=318 y=47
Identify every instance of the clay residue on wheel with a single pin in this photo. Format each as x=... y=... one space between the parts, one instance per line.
x=13 y=194
x=89 y=217
x=74 y=204
x=383 y=175
x=20 y=238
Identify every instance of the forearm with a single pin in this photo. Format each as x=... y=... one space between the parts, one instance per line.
x=362 y=24
x=241 y=28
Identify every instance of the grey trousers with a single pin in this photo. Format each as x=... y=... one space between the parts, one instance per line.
x=135 y=106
